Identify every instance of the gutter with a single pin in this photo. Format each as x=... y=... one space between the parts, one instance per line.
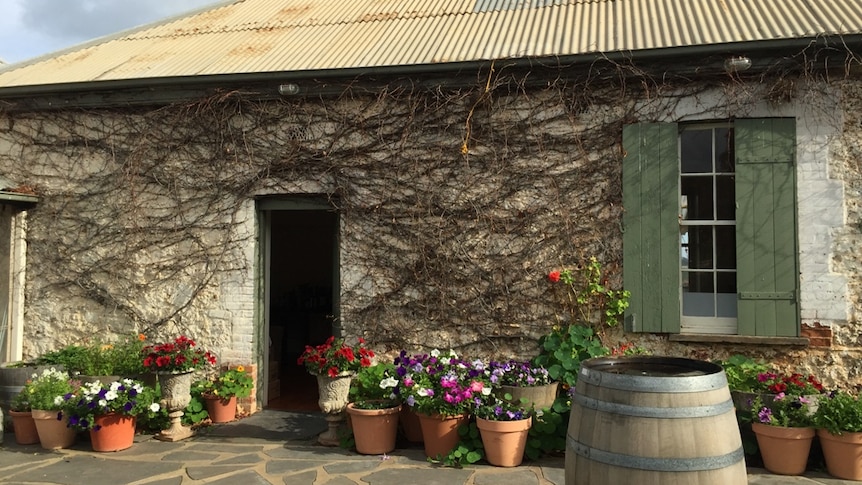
x=762 y=54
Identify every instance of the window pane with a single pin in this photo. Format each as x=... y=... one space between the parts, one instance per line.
x=698 y=192
x=724 y=155
x=698 y=299
x=725 y=247
x=696 y=151
x=726 y=299
x=725 y=193
x=700 y=247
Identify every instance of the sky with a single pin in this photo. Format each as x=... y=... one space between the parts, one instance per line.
x=31 y=28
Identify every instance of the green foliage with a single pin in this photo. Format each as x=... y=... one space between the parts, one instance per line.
x=99 y=358
x=742 y=372
x=45 y=391
x=548 y=433
x=469 y=449
x=839 y=412
x=563 y=350
x=232 y=382
x=587 y=294
x=372 y=387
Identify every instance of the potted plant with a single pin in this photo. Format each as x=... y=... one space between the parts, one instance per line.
x=441 y=388
x=784 y=432
x=503 y=427
x=110 y=411
x=220 y=394
x=45 y=392
x=103 y=361
x=173 y=363
x=523 y=383
x=838 y=420
x=334 y=363
x=374 y=409
x=22 y=420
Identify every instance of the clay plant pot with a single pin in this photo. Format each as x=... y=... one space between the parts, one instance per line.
x=440 y=433
x=843 y=454
x=53 y=433
x=25 y=427
x=374 y=430
x=504 y=441
x=538 y=397
x=221 y=410
x=410 y=424
x=784 y=450
x=112 y=432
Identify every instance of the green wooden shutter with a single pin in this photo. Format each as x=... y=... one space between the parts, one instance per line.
x=767 y=276
x=651 y=226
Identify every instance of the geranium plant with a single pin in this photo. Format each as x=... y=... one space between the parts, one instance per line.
x=838 y=412
x=791 y=411
x=518 y=373
x=335 y=357
x=44 y=391
x=181 y=355
x=231 y=382
x=126 y=396
x=441 y=383
x=794 y=384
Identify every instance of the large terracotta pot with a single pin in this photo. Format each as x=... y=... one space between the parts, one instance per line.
x=374 y=430
x=221 y=410
x=539 y=397
x=410 y=424
x=784 y=450
x=504 y=441
x=25 y=428
x=112 y=432
x=843 y=454
x=53 y=433
x=440 y=433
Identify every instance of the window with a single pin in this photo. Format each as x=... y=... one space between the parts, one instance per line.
x=710 y=233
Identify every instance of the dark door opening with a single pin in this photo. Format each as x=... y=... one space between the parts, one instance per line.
x=302 y=276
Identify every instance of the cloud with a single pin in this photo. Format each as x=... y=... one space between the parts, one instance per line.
x=29 y=28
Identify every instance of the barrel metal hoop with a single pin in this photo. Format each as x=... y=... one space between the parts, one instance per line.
x=657 y=464
x=644 y=383
x=655 y=412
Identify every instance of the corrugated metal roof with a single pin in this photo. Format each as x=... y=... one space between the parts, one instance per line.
x=254 y=36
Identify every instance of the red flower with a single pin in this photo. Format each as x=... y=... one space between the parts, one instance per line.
x=554 y=276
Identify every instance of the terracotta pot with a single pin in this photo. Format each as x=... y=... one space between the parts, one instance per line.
x=374 y=430
x=25 y=428
x=539 y=397
x=843 y=454
x=440 y=433
x=112 y=432
x=410 y=424
x=221 y=410
x=504 y=441
x=53 y=433
x=784 y=450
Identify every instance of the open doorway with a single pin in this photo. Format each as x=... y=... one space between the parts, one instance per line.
x=302 y=276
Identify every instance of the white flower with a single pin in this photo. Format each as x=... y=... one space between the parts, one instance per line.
x=154 y=407
x=103 y=402
x=388 y=382
x=58 y=400
x=422 y=392
x=435 y=353
x=486 y=391
x=111 y=395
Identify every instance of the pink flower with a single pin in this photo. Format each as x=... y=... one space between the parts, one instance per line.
x=476 y=386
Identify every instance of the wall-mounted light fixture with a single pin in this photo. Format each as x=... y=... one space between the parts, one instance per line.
x=737 y=64
x=288 y=89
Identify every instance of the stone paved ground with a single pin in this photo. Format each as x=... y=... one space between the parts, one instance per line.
x=276 y=448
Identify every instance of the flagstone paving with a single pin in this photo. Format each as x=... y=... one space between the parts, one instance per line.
x=273 y=447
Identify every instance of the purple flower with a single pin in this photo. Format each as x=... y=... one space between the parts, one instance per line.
x=765 y=415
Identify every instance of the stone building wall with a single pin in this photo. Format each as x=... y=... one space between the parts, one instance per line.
x=454 y=206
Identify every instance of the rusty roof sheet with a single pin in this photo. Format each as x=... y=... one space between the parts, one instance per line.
x=258 y=36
